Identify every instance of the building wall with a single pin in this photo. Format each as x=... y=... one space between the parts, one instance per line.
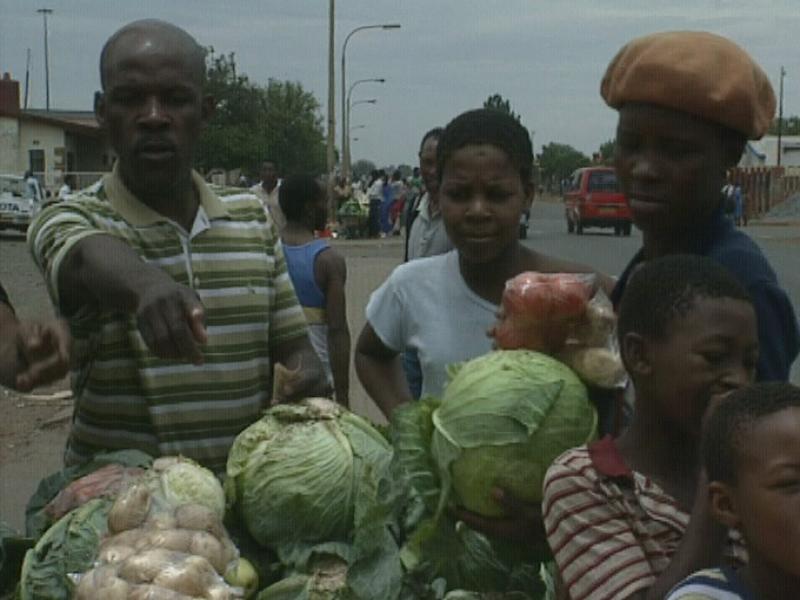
x=9 y=146
x=46 y=137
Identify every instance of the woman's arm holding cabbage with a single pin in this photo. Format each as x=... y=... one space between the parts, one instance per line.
x=380 y=371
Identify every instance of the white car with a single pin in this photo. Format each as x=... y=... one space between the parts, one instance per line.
x=20 y=201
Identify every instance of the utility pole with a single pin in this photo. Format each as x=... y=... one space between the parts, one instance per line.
x=780 y=115
x=44 y=12
x=331 y=115
x=27 y=78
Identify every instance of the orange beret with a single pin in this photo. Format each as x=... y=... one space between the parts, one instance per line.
x=695 y=72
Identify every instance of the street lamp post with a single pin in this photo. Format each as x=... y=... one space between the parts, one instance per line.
x=344 y=79
x=346 y=157
x=44 y=12
x=780 y=115
x=346 y=124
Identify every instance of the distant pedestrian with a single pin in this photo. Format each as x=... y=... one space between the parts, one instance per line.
x=375 y=195
x=267 y=192
x=738 y=205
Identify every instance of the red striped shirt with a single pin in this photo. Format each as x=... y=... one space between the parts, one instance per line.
x=612 y=530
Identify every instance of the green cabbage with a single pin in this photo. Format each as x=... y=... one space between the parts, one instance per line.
x=183 y=481
x=313 y=479
x=504 y=418
x=69 y=546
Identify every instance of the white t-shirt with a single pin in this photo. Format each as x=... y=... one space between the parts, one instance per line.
x=426 y=305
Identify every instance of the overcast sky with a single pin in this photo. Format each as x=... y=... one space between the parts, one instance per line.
x=545 y=56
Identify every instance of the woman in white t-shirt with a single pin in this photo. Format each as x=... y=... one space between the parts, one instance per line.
x=442 y=306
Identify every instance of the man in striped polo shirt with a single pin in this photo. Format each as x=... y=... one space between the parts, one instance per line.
x=177 y=294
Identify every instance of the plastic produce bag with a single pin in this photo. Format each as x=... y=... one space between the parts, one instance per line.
x=564 y=315
x=166 y=541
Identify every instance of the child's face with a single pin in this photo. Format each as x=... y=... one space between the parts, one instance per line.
x=708 y=352
x=671 y=167
x=764 y=504
x=481 y=197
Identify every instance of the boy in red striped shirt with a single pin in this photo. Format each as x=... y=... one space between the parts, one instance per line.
x=629 y=517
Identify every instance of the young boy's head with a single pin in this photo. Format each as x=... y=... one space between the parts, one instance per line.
x=682 y=124
x=302 y=201
x=751 y=451
x=687 y=332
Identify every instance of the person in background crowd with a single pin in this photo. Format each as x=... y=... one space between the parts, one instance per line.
x=177 y=294
x=681 y=127
x=738 y=206
x=342 y=190
x=319 y=274
x=66 y=188
x=425 y=229
x=428 y=238
x=398 y=202
x=375 y=195
x=34 y=189
x=628 y=518
x=267 y=192
x=387 y=198
x=32 y=353
x=751 y=452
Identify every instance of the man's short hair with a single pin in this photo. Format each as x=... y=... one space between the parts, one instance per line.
x=487 y=126
x=182 y=39
x=728 y=426
x=668 y=287
x=295 y=192
x=435 y=133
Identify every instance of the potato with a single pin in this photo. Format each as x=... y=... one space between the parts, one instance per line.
x=199 y=517
x=130 y=509
x=220 y=591
x=164 y=462
x=206 y=545
x=187 y=578
x=596 y=366
x=161 y=520
x=154 y=592
x=124 y=538
x=113 y=553
x=143 y=568
x=229 y=551
x=101 y=583
x=169 y=539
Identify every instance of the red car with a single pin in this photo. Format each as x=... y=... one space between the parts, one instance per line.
x=592 y=199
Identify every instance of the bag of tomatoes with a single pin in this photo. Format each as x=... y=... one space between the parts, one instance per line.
x=564 y=315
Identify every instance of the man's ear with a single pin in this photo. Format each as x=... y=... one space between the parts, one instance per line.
x=207 y=109
x=723 y=504
x=636 y=354
x=100 y=108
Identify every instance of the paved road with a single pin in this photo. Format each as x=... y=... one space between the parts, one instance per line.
x=369 y=262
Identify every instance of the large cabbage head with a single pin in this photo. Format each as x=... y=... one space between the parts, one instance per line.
x=296 y=473
x=504 y=418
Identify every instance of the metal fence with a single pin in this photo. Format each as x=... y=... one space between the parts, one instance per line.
x=765 y=187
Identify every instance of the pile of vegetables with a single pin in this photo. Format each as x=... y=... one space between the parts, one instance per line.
x=565 y=316
x=161 y=537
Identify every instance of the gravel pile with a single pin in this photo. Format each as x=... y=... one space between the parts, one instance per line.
x=790 y=209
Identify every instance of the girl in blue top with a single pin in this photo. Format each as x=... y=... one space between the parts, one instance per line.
x=318 y=273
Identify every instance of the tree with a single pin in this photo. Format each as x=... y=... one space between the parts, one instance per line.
x=363 y=167
x=557 y=161
x=497 y=102
x=607 y=150
x=791 y=126
x=252 y=122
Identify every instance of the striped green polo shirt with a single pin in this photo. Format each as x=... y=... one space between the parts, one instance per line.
x=125 y=396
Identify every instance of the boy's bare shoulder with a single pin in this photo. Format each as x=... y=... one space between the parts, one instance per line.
x=331 y=261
